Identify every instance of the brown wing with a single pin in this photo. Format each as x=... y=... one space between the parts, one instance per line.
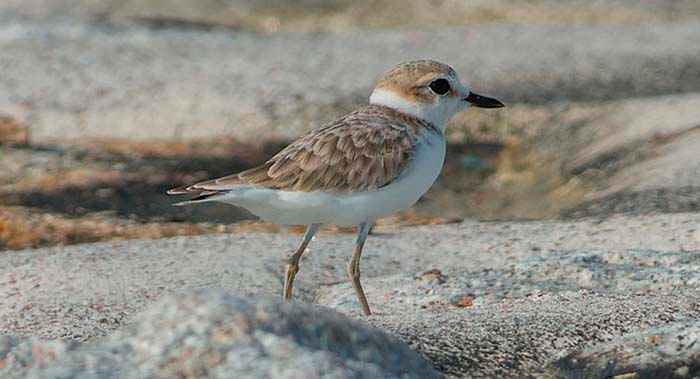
x=365 y=150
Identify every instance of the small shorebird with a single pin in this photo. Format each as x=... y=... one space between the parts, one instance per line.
x=372 y=162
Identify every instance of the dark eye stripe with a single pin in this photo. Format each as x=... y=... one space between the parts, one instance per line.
x=440 y=86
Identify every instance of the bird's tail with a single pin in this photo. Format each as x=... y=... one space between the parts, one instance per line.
x=201 y=197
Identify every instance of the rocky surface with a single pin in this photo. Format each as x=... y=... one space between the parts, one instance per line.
x=212 y=334
x=271 y=16
x=475 y=299
x=662 y=352
x=77 y=80
x=518 y=338
x=638 y=153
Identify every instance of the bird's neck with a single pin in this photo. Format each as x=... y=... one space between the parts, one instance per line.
x=390 y=99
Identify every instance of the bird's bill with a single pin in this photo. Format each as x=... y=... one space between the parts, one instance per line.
x=482 y=101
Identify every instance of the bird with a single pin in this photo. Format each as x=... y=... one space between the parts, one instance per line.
x=374 y=161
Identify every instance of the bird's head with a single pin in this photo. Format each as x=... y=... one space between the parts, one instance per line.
x=428 y=90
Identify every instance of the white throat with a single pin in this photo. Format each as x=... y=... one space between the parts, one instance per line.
x=434 y=115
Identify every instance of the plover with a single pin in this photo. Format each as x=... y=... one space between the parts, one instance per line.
x=370 y=163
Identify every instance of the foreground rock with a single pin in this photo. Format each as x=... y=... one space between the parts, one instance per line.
x=215 y=335
x=509 y=299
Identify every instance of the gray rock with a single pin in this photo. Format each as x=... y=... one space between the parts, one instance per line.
x=215 y=335
x=518 y=338
x=637 y=154
x=669 y=351
x=616 y=128
x=19 y=355
x=515 y=319
x=70 y=80
x=235 y=12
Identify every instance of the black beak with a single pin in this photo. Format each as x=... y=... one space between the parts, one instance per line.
x=483 y=101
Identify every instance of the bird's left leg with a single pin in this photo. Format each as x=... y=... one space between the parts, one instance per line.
x=293 y=263
x=354 y=266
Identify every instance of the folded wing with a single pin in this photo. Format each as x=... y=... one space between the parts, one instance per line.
x=364 y=150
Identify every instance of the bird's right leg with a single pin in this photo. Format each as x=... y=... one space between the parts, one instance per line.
x=293 y=263
x=354 y=266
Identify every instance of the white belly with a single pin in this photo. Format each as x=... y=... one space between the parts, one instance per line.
x=288 y=207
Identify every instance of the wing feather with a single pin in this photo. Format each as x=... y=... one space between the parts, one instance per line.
x=364 y=150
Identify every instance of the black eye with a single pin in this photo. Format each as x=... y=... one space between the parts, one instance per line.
x=440 y=86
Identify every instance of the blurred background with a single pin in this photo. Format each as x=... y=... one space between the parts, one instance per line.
x=106 y=104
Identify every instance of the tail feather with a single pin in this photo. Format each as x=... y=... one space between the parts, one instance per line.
x=201 y=197
x=207 y=190
x=179 y=190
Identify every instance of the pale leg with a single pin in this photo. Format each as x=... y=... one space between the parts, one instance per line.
x=293 y=263
x=354 y=266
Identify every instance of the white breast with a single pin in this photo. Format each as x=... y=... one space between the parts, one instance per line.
x=289 y=207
